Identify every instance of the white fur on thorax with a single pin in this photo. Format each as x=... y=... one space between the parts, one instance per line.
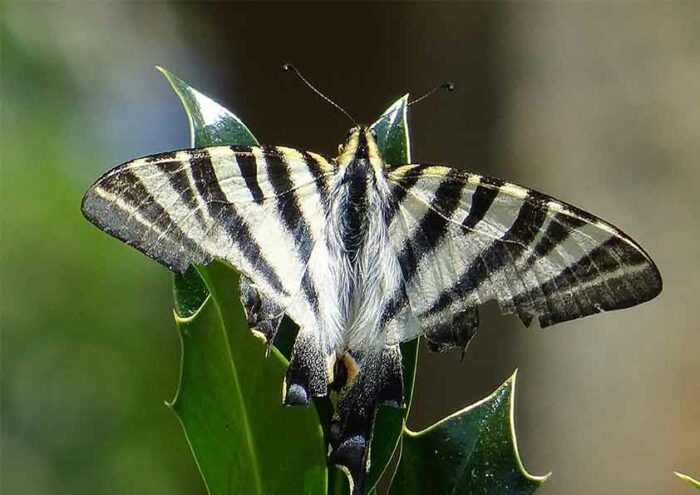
x=355 y=290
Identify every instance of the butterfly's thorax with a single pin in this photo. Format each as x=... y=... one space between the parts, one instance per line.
x=362 y=264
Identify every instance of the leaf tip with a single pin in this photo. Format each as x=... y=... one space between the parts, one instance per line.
x=513 y=377
x=509 y=385
x=166 y=73
x=687 y=479
x=538 y=479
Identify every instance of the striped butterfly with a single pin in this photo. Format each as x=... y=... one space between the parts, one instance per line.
x=364 y=256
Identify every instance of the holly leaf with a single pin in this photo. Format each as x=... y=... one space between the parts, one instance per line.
x=685 y=477
x=229 y=397
x=391 y=131
x=473 y=451
x=210 y=123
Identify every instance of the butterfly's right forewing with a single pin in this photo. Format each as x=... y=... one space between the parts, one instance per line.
x=463 y=239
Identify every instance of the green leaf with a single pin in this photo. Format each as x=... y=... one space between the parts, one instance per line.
x=391 y=130
x=393 y=142
x=471 y=452
x=229 y=397
x=210 y=123
x=229 y=402
x=189 y=293
x=685 y=477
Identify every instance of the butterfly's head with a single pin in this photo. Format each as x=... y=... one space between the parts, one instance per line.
x=360 y=145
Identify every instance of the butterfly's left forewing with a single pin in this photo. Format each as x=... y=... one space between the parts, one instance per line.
x=463 y=239
x=262 y=209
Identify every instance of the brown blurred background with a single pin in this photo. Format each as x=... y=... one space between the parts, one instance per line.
x=595 y=103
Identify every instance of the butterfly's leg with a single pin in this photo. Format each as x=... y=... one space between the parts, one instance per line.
x=262 y=314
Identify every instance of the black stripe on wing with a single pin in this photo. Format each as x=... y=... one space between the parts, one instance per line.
x=480 y=203
x=288 y=207
x=399 y=191
x=431 y=228
x=319 y=172
x=290 y=212
x=224 y=213
x=177 y=175
x=249 y=170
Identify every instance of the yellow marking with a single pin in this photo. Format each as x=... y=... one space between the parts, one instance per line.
x=372 y=149
x=375 y=159
x=330 y=365
x=433 y=170
x=439 y=172
x=514 y=190
x=349 y=149
x=183 y=156
x=325 y=165
x=351 y=367
x=290 y=154
x=613 y=231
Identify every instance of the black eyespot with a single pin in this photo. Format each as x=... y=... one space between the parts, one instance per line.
x=340 y=375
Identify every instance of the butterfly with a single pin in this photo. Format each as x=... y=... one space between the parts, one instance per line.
x=363 y=256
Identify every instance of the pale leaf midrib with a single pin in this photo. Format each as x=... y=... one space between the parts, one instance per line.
x=250 y=441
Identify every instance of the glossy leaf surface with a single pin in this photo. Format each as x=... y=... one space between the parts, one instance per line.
x=210 y=123
x=471 y=452
x=391 y=130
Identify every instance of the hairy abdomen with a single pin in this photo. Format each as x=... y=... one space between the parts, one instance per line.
x=363 y=266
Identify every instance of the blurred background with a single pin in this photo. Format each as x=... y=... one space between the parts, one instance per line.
x=598 y=104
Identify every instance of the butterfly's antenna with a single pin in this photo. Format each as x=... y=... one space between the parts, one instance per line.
x=446 y=85
x=288 y=67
